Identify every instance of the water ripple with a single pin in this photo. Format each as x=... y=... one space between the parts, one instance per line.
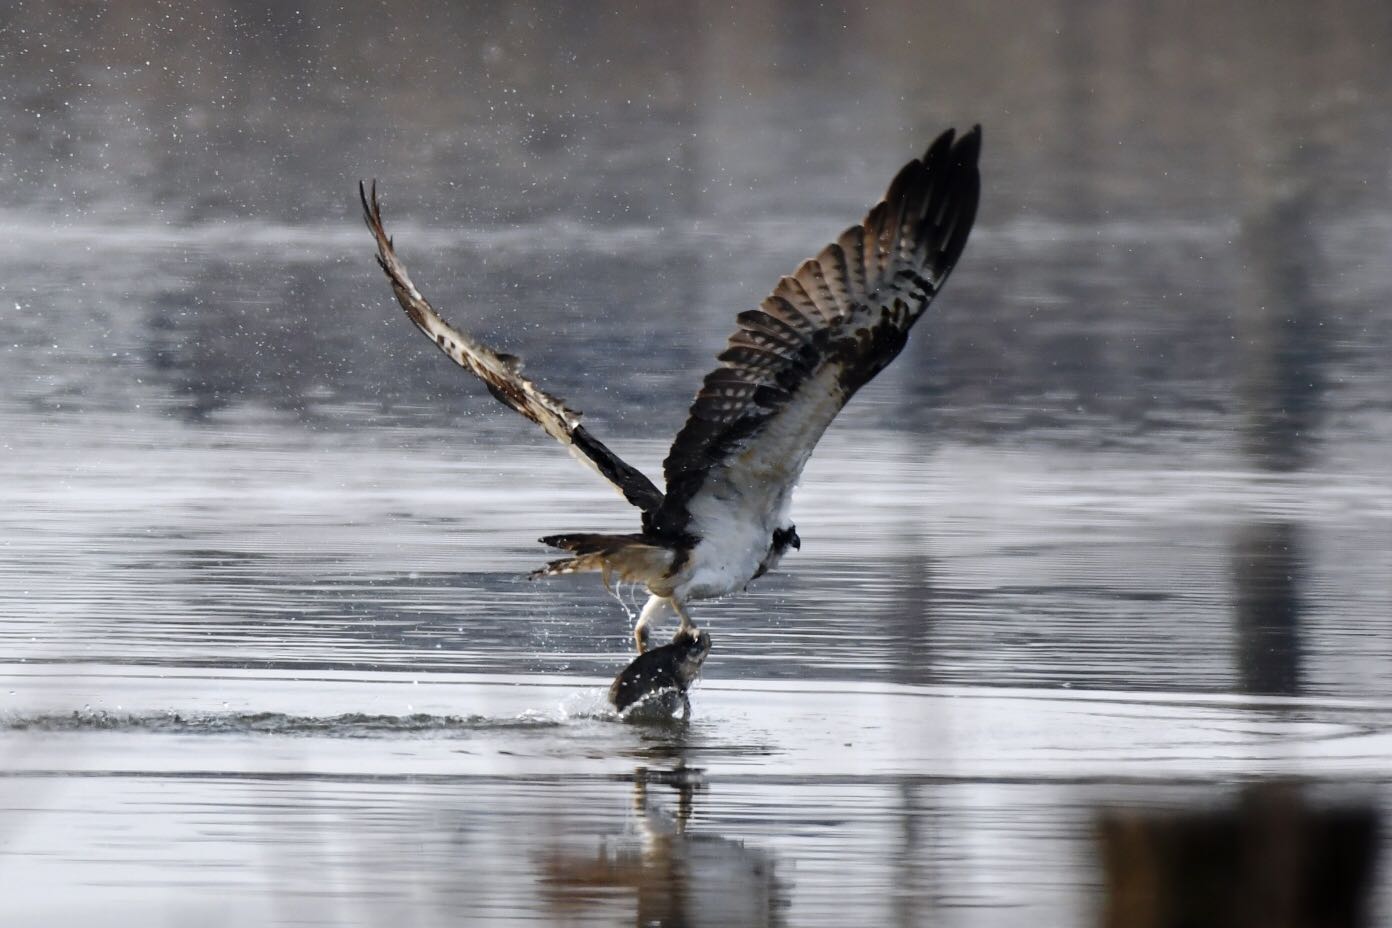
x=346 y=725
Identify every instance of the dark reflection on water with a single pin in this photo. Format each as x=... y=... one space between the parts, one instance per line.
x=1141 y=443
x=1282 y=390
x=1275 y=856
x=1266 y=570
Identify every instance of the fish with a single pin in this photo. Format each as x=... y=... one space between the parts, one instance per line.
x=670 y=669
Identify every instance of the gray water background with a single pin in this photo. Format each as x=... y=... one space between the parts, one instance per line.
x=1116 y=528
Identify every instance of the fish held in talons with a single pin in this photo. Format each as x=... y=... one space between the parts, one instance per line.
x=670 y=669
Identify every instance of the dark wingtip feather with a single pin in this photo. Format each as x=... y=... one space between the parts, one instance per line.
x=939 y=146
x=372 y=211
x=968 y=149
x=964 y=198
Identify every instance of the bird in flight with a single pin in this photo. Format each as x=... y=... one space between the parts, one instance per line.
x=787 y=370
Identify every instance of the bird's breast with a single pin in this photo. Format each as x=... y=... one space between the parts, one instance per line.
x=729 y=554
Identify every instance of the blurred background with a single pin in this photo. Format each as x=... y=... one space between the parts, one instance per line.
x=1116 y=528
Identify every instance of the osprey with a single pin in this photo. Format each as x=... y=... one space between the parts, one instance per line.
x=788 y=369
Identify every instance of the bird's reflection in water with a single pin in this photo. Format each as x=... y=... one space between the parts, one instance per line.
x=677 y=876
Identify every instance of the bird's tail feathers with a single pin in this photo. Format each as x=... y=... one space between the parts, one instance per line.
x=632 y=558
x=571 y=565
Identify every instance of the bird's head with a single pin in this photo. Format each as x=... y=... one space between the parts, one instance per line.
x=785 y=538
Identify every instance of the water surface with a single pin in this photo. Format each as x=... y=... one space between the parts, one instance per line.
x=1115 y=531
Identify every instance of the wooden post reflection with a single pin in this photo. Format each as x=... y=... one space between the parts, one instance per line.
x=1280 y=390
x=1273 y=860
x=1267 y=569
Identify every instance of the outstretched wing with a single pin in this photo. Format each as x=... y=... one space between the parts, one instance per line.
x=502 y=373
x=825 y=332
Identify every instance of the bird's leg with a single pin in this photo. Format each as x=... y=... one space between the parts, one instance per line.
x=687 y=627
x=653 y=608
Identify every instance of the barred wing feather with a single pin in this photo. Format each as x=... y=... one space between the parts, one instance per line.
x=502 y=373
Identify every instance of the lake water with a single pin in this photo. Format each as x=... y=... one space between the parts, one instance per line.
x=1113 y=534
